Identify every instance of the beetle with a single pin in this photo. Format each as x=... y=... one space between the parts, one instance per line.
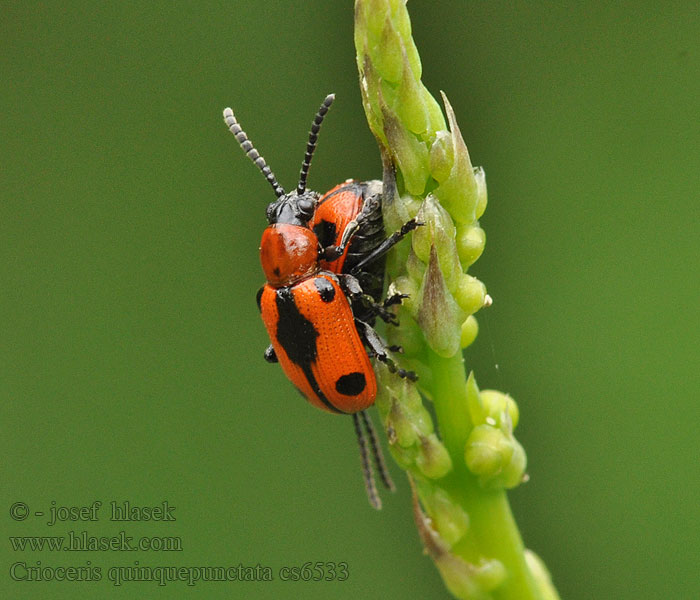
x=318 y=317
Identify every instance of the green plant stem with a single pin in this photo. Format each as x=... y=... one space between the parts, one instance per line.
x=494 y=532
x=450 y=401
x=459 y=478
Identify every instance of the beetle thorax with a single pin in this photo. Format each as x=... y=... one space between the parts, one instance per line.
x=288 y=253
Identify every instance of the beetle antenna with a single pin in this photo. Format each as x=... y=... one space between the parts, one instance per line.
x=251 y=152
x=313 y=137
x=377 y=453
x=370 y=486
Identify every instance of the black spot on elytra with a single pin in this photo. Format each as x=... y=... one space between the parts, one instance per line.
x=276 y=271
x=325 y=232
x=351 y=384
x=325 y=289
x=295 y=333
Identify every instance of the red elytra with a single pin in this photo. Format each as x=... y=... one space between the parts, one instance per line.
x=315 y=339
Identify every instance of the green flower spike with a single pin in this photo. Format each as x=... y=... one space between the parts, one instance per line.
x=459 y=478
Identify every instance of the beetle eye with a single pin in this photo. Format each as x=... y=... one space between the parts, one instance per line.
x=306 y=207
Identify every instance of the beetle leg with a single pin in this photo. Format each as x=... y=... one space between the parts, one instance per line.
x=378 y=309
x=351 y=286
x=394 y=299
x=378 y=348
x=388 y=243
x=270 y=355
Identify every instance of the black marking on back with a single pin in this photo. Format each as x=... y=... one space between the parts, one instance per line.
x=297 y=336
x=351 y=384
x=325 y=232
x=325 y=289
x=295 y=333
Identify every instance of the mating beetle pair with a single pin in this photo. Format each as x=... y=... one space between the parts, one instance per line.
x=323 y=259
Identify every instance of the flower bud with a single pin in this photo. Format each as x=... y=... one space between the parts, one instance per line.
x=389 y=62
x=402 y=22
x=458 y=193
x=437 y=119
x=496 y=405
x=541 y=576
x=481 y=192
x=410 y=103
x=416 y=269
x=433 y=460
x=470 y=582
x=404 y=457
x=470 y=293
x=490 y=574
x=438 y=231
x=369 y=86
x=487 y=450
x=439 y=316
x=471 y=240
x=375 y=14
x=495 y=457
x=449 y=519
x=470 y=329
x=399 y=401
x=441 y=156
x=400 y=421
x=408 y=152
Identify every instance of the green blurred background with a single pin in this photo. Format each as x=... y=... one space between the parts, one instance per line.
x=131 y=364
